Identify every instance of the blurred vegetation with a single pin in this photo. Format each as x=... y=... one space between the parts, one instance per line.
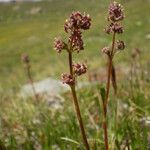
x=31 y=28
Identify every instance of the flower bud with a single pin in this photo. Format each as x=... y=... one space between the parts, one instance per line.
x=76 y=39
x=114 y=28
x=79 y=69
x=120 y=45
x=86 y=22
x=67 y=79
x=77 y=21
x=25 y=58
x=106 y=50
x=115 y=12
x=59 y=45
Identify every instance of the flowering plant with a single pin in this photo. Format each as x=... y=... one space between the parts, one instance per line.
x=74 y=26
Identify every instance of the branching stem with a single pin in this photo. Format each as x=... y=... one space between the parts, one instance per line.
x=105 y=104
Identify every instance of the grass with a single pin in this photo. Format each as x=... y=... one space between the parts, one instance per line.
x=25 y=125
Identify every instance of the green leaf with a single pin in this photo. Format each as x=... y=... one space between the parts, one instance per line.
x=103 y=93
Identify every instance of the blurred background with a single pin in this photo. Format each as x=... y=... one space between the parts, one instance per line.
x=30 y=27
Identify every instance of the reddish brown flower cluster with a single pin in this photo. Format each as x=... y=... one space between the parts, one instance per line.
x=79 y=69
x=115 y=15
x=67 y=79
x=76 y=40
x=120 y=45
x=114 y=27
x=106 y=50
x=115 y=12
x=25 y=58
x=77 y=21
x=59 y=45
x=74 y=25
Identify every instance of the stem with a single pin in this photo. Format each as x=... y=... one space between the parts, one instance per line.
x=79 y=117
x=77 y=108
x=70 y=63
x=31 y=82
x=110 y=58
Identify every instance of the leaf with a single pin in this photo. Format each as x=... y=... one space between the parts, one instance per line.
x=113 y=79
x=70 y=140
x=103 y=93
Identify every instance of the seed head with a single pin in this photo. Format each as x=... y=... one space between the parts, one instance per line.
x=115 y=12
x=114 y=27
x=67 y=79
x=59 y=45
x=120 y=45
x=77 y=21
x=106 y=50
x=86 y=22
x=76 y=40
x=79 y=69
x=25 y=58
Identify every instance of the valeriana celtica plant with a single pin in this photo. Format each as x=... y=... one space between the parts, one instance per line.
x=114 y=27
x=74 y=26
x=26 y=61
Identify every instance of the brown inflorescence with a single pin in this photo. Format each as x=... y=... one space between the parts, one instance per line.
x=77 y=21
x=59 y=45
x=115 y=16
x=115 y=12
x=106 y=50
x=114 y=27
x=74 y=25
x=120 y=45
x=25 y=58
x=76 y=41
x=68 y=79
x=79 y=69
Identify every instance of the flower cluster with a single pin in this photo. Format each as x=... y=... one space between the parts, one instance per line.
x=68 y=79
x=76 y=40
x=115 y=16
x=74 y=25
x=25 y=58
x=114 y=28
x=106 y=50
x=77 y=21
x=120 y=45
x=79 y=69
x=115 y=12
x=59 y=45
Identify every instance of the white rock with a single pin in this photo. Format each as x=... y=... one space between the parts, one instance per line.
x=49 y=85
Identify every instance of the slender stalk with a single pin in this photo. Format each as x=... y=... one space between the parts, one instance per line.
x=76 y=105
x=110 y=58
x=31 y=82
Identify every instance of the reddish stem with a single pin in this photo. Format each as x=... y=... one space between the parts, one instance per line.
x=76 y=105
x=105 y=104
